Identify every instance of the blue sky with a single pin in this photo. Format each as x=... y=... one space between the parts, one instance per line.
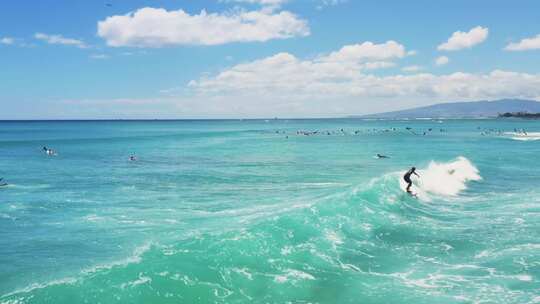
x=260 y=58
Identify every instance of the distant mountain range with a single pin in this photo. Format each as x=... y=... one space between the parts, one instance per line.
x=473 y=109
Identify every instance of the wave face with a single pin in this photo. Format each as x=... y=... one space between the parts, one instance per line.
x=235 y=212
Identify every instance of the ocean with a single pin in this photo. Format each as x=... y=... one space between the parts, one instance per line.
x=270 y=211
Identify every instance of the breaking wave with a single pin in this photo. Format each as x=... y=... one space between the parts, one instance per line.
x=443 y=179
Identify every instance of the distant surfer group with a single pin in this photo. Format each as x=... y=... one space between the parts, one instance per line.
x=406 y=177
x=358 y=132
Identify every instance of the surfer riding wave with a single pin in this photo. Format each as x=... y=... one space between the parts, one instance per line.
x=407 y=178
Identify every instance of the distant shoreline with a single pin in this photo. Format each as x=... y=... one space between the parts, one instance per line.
x=503 y=115
x=524 y=115
x=246 y=119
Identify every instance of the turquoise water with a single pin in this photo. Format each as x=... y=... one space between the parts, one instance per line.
x=236 y=212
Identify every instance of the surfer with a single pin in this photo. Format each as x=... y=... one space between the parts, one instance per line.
x=132 y=158
x=49 y=151
x=382 y=156
x=407 y=178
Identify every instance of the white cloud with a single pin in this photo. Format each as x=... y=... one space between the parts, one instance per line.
x=266 y=95
x=442 y=60
x=260 y=2
x=133 y=53
x=361 y=94
x=532 y=43
x=59 y=39
x=282 y=71
x=333 y=84
x=340 y=83
x=411 y=68
x=462 y=40
x=7 y=40
x=99 y=56
x=367 y=51
x=156 y=27
x=324 y=3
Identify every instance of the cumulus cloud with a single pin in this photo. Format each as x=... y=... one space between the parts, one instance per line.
x=463 y=40
x=99 y=56
x=442 y=60
x=7 y=40
x=156 y=27
x=367 y=51
x=260 y=2
x=284 y=73
x=59 y=39
x=324 y=3
x=340 y=82
x=258 y=92
x=532 y=43
x=411 y=68
x=270 y=97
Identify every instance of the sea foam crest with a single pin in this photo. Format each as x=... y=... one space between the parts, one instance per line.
x=135 y=258
x=444 y=179
x=530 y=136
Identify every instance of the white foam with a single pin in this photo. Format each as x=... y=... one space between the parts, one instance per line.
x=280 y=279
x=333 y=238
x=243 y=271
x=524 y=136
x=141 y=280
x=134 y=259
x=293 y=275
x=29 y=187
x=6 y=216
x=443 y=179
x=93 y=218
x=286 y=250
x=33 y=286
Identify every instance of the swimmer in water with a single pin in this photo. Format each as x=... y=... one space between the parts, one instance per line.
x=407 y=178
x=381 y=156
x=132 y=158
x=2 y=183
x=49 y=151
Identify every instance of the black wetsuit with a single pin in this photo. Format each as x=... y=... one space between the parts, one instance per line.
x=407 y=178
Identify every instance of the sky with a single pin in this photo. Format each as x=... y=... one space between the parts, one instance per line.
x=166 y=59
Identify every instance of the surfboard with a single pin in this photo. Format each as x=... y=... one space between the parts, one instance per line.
x=415 y=195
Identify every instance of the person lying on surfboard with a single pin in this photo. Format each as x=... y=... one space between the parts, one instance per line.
x=407 y=178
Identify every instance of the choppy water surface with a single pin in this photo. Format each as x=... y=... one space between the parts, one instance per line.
x=278 y=211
